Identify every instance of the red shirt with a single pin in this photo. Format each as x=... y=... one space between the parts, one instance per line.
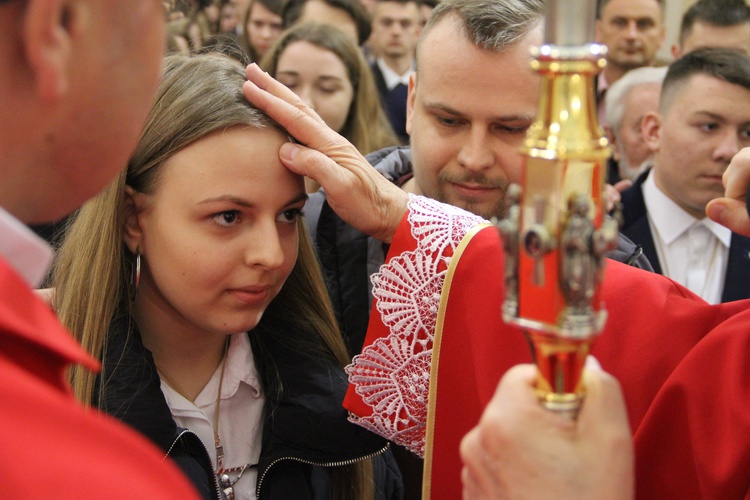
x=52 y=447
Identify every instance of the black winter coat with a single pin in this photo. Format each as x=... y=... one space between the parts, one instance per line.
x=305 y=431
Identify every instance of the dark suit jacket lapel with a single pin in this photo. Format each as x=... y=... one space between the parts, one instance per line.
x=635 y=217
x=737 y=278
x=379 y=82
x=636 y=227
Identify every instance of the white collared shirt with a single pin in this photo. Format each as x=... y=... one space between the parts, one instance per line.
x=391 y=77
x=674 y=232
x=240 y=415
x=26 y=252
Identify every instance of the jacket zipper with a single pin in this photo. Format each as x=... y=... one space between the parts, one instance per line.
x=208 y=456
x=317 y=464
x=634 y=256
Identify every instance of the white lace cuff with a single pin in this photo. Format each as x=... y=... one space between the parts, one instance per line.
x=392 y=374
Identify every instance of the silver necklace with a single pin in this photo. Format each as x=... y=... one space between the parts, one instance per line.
x=226 y=483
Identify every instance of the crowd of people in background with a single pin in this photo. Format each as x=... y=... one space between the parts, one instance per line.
x=254 y=25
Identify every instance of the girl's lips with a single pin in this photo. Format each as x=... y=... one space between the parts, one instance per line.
x=250 y=295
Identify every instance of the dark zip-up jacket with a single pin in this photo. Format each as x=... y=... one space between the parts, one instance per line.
x=305 y=432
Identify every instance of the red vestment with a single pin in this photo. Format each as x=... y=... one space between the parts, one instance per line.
x=51 y=446
x=652 y=343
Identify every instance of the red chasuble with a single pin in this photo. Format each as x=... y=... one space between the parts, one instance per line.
x=458 y=354
x=53 y=447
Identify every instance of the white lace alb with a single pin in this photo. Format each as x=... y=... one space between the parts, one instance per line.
x=392 y=375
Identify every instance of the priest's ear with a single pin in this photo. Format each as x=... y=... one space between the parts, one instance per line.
x=47 y=38
x=135 y=203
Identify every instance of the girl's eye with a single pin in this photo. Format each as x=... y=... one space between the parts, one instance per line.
x=227 y=218
x=290 y=216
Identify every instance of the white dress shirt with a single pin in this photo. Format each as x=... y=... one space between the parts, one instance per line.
x=693 y=252
x=26 y=252
x=240 y=423
x=392 y=78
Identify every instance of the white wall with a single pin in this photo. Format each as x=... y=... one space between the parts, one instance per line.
x=674 y=11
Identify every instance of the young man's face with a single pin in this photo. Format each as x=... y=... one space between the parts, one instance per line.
x=467 y=114
x=395 y=28
x=704 y=126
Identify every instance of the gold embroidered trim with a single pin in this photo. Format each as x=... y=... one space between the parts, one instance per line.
x=444 y=297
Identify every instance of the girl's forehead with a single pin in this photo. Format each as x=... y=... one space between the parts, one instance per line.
x=241 y=151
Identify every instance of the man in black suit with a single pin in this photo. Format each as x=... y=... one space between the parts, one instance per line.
x=395 y=30
x=703 y=121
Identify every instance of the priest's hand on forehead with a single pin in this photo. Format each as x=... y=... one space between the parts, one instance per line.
x=359 y=194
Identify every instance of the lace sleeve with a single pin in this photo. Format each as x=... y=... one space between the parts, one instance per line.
x=392 y=373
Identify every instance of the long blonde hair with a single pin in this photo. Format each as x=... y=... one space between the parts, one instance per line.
x=198 y=95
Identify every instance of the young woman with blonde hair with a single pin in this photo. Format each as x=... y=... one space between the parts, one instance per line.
x=194 y=282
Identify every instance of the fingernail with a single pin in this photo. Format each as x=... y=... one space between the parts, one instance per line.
x=289 y=151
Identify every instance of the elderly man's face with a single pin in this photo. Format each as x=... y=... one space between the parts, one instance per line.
x=631 y=149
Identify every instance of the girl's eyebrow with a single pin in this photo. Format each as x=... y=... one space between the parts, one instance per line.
x=244 y=203
x=301 y=197
x=230 y=198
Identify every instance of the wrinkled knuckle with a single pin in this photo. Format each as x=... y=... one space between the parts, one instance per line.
x=493 y=431
x=299 y=111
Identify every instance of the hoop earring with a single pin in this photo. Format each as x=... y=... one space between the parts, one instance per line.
x=135 y=276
